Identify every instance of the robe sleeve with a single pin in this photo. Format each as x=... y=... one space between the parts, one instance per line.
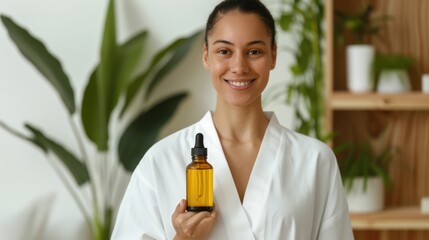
x=139 y=216
x=336 y=220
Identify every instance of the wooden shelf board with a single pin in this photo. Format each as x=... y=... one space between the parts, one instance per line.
x=343 y=100
x=404 y=218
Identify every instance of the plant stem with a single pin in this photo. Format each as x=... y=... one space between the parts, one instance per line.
x=71 y=191
x=107 y=210
x=109 y=173
x=78 y=139
x=12 y=131
x=315 y=93
x=85 y=159
x=317 y=75
x=105 y=180
x=114 y=183
x=307 y=93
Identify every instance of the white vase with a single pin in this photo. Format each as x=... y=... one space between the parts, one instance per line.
x=393 y=81
x=425 y=83
x=369 y=200
x=359 y=62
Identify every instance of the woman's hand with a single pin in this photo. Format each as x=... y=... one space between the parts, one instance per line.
x=192 y=225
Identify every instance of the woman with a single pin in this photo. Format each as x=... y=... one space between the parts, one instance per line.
x=270 y=182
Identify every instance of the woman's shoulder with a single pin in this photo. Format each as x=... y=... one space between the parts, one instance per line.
x=301 y=144
x=298 y=140
x=306 y=140
x=307 y=151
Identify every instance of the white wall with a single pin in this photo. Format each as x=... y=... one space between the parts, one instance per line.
x=72 y=31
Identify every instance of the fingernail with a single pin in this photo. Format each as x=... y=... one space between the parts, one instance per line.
x=181 y=202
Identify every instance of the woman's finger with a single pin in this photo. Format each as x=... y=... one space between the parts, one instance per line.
x=180 y=208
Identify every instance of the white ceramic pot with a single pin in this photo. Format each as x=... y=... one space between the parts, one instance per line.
x=425 y=83
x=370 y=200
x=393 y=81
x=359 y=62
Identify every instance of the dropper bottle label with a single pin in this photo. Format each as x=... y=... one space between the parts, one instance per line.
x=199 y=179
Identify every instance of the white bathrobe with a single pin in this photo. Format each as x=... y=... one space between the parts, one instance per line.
x=294 y=191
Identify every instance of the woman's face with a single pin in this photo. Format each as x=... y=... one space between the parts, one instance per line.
x=239 y=56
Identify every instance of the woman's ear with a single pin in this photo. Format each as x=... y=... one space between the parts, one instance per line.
x=205 y=57
x=274 y=57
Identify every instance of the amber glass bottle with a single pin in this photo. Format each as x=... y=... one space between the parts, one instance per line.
x=199 y=179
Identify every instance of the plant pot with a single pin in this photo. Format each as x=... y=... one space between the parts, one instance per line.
x=359 y=62
x=393 y=81
x=369 y=200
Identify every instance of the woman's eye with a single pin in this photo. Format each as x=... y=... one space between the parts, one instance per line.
x=223 y=51
x=254 y=52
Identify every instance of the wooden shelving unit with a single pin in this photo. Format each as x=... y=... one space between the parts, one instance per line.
x=403 y=218
x=343 y=100
x=402 y=117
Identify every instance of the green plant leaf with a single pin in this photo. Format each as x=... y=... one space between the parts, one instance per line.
x=98 y=101
x=304 y=20
x=91 y=111
x=106 y=76
x=176 y=57
x=77 y=169
x=142 y=133
x=361 y=161
x=286 y=21
x=40 y=140
x=160 y=56
x=12 y=131
x=304 y=55
x=47 y=64
x=129 y=55
x=359 y=24
x=296 y=70
x=133 y=89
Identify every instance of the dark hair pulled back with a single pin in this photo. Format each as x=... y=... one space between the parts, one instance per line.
x=244 y=6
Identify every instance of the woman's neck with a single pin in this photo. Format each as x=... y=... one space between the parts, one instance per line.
x=236 y=123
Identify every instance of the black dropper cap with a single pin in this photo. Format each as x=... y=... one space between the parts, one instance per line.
x=199 y=149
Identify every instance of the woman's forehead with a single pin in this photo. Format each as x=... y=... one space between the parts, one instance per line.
x=237 y=26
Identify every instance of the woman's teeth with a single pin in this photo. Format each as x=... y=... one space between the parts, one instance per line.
x=239 y=84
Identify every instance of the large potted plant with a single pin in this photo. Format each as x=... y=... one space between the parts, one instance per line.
x=365 y=175
x=304 y=21
x=359 y=55
x=115 y=77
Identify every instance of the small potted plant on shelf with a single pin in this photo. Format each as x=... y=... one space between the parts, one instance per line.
x=365 y=175
x=359 y=56
x=390 y=72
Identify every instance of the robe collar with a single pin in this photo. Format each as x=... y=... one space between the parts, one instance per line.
x=240 y=219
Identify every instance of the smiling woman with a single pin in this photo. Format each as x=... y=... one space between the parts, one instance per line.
x=269 y=182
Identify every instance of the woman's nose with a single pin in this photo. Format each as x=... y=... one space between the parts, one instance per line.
x=239 y=64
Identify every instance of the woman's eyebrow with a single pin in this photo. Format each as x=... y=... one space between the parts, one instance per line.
x=230 y=43
x=222 y=42
x=257 y=42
